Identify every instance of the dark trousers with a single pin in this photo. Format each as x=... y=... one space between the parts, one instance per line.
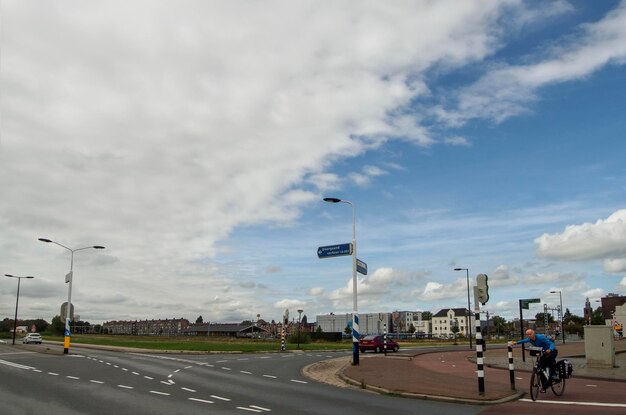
x=549 y=360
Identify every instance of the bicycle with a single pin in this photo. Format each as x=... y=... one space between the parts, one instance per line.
x=541 y=377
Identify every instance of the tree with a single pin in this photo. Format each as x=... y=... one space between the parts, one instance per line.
x=348 y=329
x=596 y=317
x=499 y=324
x=57 y=327
x=427 y=315
x=319 y=329
x=412 y=329
x=199 y=320
x=304 y=320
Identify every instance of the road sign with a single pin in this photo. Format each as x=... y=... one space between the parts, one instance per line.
x=361 y=267
x=334 y=250
x=524 y=303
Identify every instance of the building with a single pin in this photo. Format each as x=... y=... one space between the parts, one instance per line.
x=447 y=318
x=609 y=305
x=369 y=323
x=167 y=327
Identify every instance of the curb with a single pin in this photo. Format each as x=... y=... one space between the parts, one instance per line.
x=440 y=398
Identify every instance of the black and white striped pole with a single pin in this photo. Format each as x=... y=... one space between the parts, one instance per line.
x=385 y=338
x=481 y=295
x=511 y=368
x=479 y=354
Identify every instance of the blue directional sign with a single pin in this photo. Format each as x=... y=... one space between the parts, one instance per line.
x=361 y=267
x=334 y=250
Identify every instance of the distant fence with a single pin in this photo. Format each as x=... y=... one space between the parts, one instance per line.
x=331 y=337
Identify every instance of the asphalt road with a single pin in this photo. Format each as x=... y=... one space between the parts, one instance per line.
x=97 y=382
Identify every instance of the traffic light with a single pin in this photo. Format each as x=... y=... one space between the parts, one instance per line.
x=483 y=288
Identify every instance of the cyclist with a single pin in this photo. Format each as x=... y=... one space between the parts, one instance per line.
x=549 y=352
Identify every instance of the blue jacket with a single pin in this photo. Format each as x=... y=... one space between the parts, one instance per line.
x=540 y=341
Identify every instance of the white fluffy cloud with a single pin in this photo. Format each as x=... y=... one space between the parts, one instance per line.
x=604 y=239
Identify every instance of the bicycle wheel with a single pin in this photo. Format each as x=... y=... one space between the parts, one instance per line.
x=535 y=385
x=559 y=387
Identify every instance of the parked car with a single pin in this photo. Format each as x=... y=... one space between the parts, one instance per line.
x=376 y=342
x=32 y=338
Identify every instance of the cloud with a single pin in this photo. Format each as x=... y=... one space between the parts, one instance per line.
x=604 y=239
x=507 y=90
x=316 y=291
x=434 y=291
x=501 y=277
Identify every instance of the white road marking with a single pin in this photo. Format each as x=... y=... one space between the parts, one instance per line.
x=260 y=407
x=177 y=370
x=591 y=386
x=270 y=376
x=17 y=365
x=135 y=373
x=200 y=400
x=125 y=387
x=189 y=390
x=612 y=405
x=170 y=375
x=148 y=377
x=221 y=361
x=243 y=359
x=53 y=374
x=298 y=381
x=220 y=398
x=249 y=409
x=188 y=367
x=72 y=377
x=37 y=370
x=160 y=393
x=124 y=369
x=226 y=368
x=96 y=381
x=247 y=373
x=166 y=383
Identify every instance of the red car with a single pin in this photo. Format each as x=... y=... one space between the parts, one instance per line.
x=376 y=342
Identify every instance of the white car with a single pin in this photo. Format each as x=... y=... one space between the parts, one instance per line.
x=32 y=338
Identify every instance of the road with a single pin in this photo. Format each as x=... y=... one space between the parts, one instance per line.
x=98 y=382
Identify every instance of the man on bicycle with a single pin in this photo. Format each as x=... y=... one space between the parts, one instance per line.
x=549 y=352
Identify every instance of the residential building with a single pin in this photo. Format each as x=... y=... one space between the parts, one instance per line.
x=446 y=318
x=167 y=327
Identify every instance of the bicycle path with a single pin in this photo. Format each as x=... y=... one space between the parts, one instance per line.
x=452 y=375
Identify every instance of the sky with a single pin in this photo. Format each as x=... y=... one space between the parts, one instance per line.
x=196 y=140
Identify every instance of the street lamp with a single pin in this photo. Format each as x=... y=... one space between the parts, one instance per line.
x=560 y=305
x=69 y=278
x=469 y=312
x=355 y=317
x=17 y=300
x=299 y=325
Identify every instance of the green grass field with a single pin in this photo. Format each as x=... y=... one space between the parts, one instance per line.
x=219 y=344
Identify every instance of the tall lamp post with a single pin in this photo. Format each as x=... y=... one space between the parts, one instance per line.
x=17 y=300
x=355 y=309
x=561 y=306
x=299 y=325
x=70 y=277
x=469 y=312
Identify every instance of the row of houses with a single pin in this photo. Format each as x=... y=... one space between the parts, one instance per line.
x=441 y=325
x=182 y=327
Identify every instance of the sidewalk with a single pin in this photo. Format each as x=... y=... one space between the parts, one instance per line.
x=451 y=376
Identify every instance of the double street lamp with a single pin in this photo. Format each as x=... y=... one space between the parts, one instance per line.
x=355 y=317
x=19 y=280
x=561 y=306
x=70 y=277
x=469 y=311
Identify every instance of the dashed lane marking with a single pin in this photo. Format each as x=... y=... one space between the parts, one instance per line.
x=189 y=390
x=220 y=398
x=125 y=387
x=72 y=377
x=298 y=381
x=260 y=407
x=160 y=393
x=200 y=400
x=245 y=373
x=96 y=381
x=270 y=376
